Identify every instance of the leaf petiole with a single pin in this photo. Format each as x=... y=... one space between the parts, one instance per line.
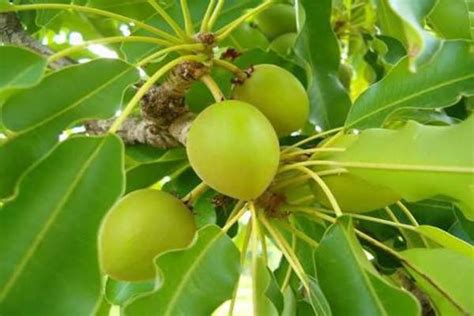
x=225 y=31
x=168 y=19
x=213 y=88
x=107 y=40
x=59 y=6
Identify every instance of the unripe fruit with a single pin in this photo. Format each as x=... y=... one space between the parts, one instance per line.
x=140 y=226
x=278 y=94
x=234 y=149
x=277 y=20
x=283 y=43
x=249 y=37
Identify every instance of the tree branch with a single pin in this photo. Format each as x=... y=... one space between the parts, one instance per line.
x=165 y=117
x=12 y=32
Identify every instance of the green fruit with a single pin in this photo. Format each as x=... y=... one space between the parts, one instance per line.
x=278 y=94
x=140 y=226
x=283 y=43
x=249 y=37
x=276 y=20
x=234 y=149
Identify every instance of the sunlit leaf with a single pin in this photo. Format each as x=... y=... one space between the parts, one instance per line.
x=450 y=19
x=446 y=240
x=447 y=278
x=318 y=52
x=38 y=115
x=193 y=281
x=48 y=244
x=263 y=282
x=344 y=270
x=431 y=149
x=404 y=20
x=121 y=292
x=20 y=69
x=439 y=84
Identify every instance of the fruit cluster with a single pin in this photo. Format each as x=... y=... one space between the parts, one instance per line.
x=233 y=147
x=282 y=35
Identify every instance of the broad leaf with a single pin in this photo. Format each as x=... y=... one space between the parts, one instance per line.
x=137 y=9
x=262 y=283
x=450 y=19
x=447 y=278
x=46 y=17
x=421 y=45
x=318 y=52
x=446 y=240
x=344 y=270
x=20 y=69
x=193 y=281
x=150 y=165
x=317 y=299
x=48 y=244
x=444 y=166
x=121 y=292
x=438 y=84
x=38 y=115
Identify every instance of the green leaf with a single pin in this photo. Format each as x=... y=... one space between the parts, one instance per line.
x=49 y=231
x=446 y=240
x=193 y=281
x=289 y=302
x=433 y=212
x=438 y=84
x=431 y=148
x=21 y=68
x=121 y=292
x=447 y=278
x=263 y=282
x=421 y=45
x=343 y=269
x=38 y=115
x=317 y=299
x=318 y=52
x=46 y=17
x=450 y=19
x=103 y=309
x=137 y=9
x=145 y=175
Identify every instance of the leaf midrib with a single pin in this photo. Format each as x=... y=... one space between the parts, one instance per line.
x=73 y=105
x=11 y=84
x=188 y=274
x=372 y=291
x=20 y=266
x=408 y=97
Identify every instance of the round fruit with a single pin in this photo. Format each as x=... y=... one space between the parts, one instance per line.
x=283 y=43
x=277 y=20
x=140 y=226
x=249 y=37
x=234 y=149
x=278 y=94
